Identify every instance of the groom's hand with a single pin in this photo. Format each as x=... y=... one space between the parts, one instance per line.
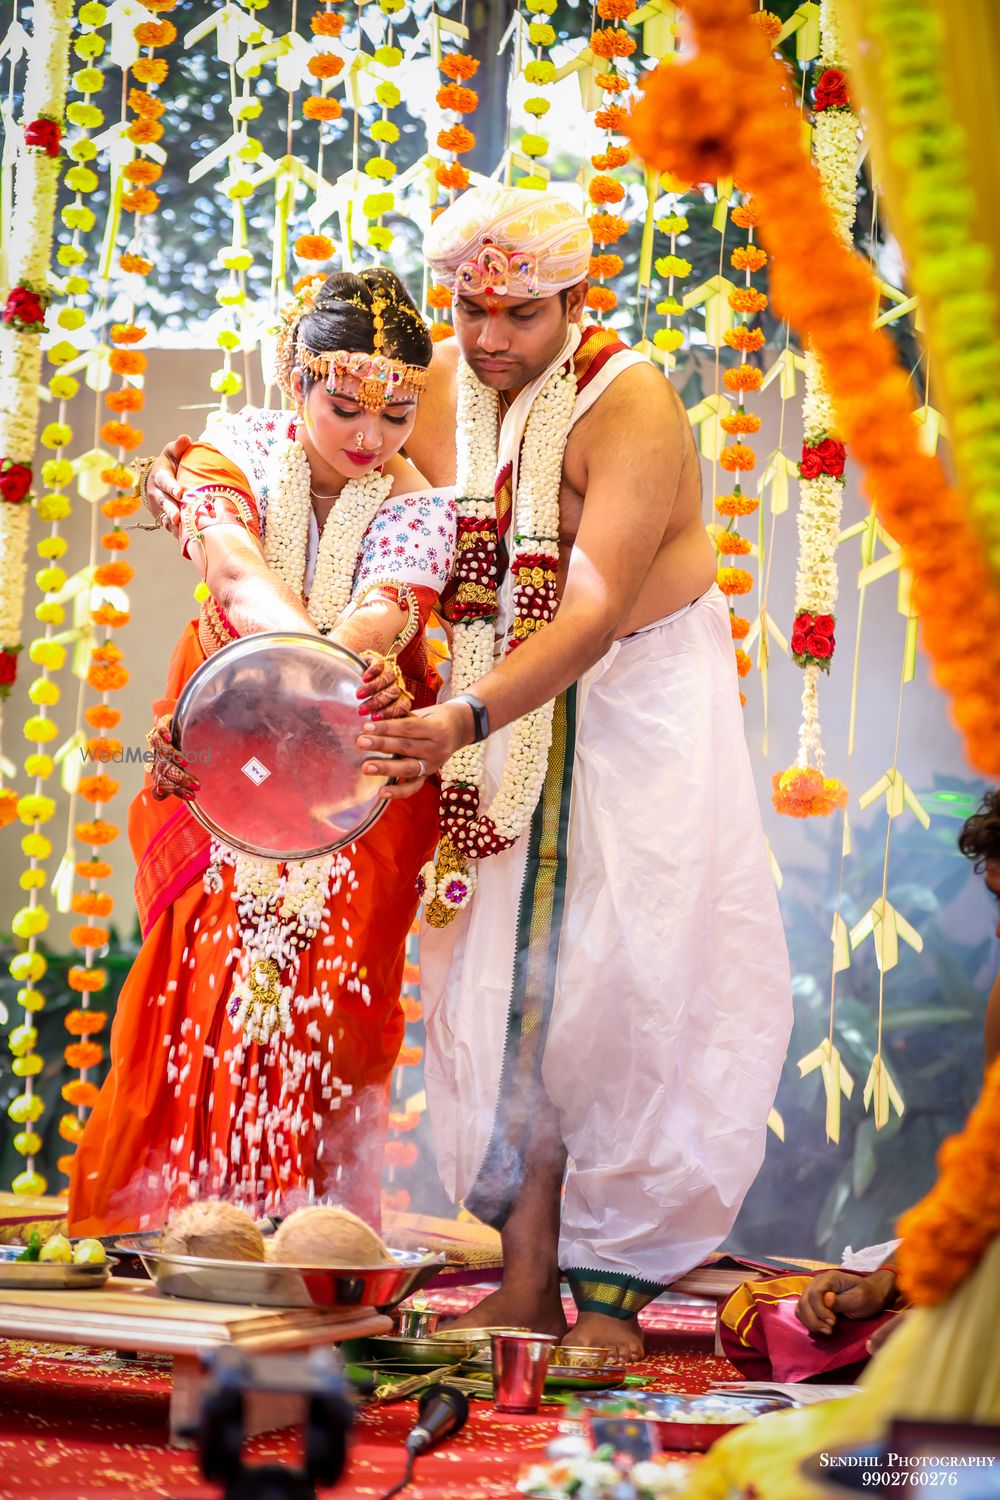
x=420 y=745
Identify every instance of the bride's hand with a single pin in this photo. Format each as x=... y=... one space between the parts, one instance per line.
x=169 y=776
x=383 y=693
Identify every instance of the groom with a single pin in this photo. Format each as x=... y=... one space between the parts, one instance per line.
x=607 y=1015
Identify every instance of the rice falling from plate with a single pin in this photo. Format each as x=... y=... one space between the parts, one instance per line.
x=213 y=1231
x=322 y=1236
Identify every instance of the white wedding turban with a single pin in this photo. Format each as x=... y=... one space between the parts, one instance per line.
x=513 y=242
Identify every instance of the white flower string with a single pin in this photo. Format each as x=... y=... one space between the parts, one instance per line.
x=280 y=908
x=468 y=835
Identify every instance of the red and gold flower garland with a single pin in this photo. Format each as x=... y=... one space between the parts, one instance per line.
x=612 y=44
x=458 y=99
x=727 y=112
x=106 y=672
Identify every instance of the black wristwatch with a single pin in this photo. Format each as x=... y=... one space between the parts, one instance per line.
x=480 y=716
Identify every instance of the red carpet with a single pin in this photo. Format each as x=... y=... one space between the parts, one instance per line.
x=76 y=1423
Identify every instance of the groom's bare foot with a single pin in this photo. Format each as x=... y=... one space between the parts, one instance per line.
x=597 y=1330
x=536 y=1307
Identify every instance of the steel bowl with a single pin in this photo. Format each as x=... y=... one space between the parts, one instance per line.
x=272 y=1284
x=390 y=1350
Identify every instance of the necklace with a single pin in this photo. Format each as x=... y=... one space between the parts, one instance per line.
x=317 y=496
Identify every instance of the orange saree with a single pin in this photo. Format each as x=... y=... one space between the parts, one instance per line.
x=192 y=1107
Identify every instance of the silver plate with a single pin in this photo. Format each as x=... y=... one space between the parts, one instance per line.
x=269 y=726
x=49 y=1275
x=267 y=1284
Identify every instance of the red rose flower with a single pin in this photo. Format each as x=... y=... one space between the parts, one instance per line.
x=804 y=621
x=45 y=134
x=799 y=642
x=23 y=307
x=823 y=625
x=8 y=668
x=811 y=466
x=819 y=645
x=833 y=456
x=15 y=481
x=831 y=90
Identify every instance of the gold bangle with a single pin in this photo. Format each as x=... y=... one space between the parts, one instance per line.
x=405 y=599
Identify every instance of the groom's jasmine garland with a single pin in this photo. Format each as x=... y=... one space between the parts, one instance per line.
x=467 y=834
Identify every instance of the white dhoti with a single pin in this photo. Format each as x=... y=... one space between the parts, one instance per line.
x=663 y=1034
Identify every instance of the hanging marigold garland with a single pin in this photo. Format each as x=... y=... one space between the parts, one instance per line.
x=385 y=133
x=539 y=71
x=726 y=112
x=106 y=672
x=611 y=43
x=673 y=268
x=457 y=99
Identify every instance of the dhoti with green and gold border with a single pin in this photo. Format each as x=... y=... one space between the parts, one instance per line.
x=627 y=957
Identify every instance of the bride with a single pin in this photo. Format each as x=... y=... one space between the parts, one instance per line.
x=307 y=521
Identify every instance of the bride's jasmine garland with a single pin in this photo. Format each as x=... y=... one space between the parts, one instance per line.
x=467 y=834
x=280 y=908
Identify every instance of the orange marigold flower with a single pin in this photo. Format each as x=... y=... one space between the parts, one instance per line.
x=456 y=138
x=127 y=333
x=615 y=10
x=85 y=1022
x=118 y=475
x=136 y=265
x=93 y=903
x=737 y=504
x=83 y=1055
x=327 y=23
x=100 y=716
x=454 y=97
x=155 y=33
x=441 y=331
x=395 y=1202
x=145 y=104
x=140 y=201
x=606 y=265
x=737 y=457
x=731 y=544
x=314 y=247
x=607 y=228
x=604 y=189
x=611 y=117
x=746 y=215
x=746 y=299
x=88 y=937
x=413 y=1010
x=120 y=506
x=121 y=435
x=86 y=981
x=107 y=679
x=127 y=399
x=746 y=340
x=740 y=422
x=612 y=41
x=453 y=176
x=743 y=378
x=409 y=1057
x=322 y=107
x=768 y=23
x=325 y=65
x=142 y=172
x=300 y=284
x=615 y=156
x=802 y=792
x=108 y=615
x=102 y=748
x=144 y=131
x=8 y=806
x=611 y=83
x=108 y=652
x=93 y=869
x=601 y=299
x=743 y=662
x=739 y=626
x=160 y=4
x=71 y=1128
x=734 y=580
x=458 y=66
x=98 y=788
x=401 y=1153
x=748 y=258
x=127 y=362
x=113 y=574
x=150 y=69
x=115 y=541
x=97 y=833
x=438 y=296
x=78 y=1093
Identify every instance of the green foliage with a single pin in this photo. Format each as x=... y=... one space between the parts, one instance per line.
x=813 y=1198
